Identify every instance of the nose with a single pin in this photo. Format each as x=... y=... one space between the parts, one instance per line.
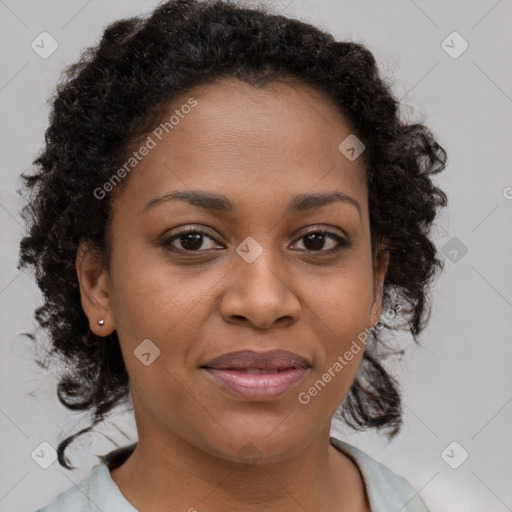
x=260 y=294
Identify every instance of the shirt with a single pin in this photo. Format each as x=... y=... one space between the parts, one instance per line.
x=387 y=491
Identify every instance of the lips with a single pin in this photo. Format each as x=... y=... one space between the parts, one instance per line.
x=257 y=376
x=277 y=360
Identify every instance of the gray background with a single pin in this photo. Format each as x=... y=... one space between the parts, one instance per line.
x=456 y=387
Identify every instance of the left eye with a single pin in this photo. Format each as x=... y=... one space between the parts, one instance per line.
x=317 y=238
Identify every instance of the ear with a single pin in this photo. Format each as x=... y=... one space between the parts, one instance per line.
x=380 y=267
x=94 y=289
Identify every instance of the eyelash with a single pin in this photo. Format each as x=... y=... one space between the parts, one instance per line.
x=341 y=242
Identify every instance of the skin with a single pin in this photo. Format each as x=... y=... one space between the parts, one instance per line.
x=259 y=147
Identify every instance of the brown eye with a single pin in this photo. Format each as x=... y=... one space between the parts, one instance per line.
x=191 y=240
x=316 y=240
x=194 y=240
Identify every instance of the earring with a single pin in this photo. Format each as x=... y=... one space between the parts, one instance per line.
x=101 y=323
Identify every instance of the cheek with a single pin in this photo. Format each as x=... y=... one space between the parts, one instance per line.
x=340 y=311
x=151 y=298
x=168 y=306
x=342 y=303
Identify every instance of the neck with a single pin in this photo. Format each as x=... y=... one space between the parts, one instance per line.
x=159 y=475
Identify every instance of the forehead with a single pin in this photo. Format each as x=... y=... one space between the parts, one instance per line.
x=293 y=111
x=250 y=141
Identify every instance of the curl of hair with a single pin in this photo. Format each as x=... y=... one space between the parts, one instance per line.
x=120 y=88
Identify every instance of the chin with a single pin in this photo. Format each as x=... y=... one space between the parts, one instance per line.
x=257 y=446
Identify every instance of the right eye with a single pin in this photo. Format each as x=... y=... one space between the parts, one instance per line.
x=191 y=240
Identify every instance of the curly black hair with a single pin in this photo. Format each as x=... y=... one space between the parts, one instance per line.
x=117 y=92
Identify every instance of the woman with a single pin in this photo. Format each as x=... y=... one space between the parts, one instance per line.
x=227 y=213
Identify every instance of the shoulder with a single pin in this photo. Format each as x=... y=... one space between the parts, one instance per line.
x=98 y=492
x=75 y=498
x=387 y=491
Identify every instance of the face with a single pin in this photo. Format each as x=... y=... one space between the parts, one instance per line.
x=254 y=269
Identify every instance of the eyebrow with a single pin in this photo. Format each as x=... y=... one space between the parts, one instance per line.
x=209 y=201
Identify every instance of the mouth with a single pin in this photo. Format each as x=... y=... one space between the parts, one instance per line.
x=258 y=376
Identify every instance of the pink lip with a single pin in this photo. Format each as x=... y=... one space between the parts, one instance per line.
x=270 y=360
x=258 y=375
x=267 y=385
